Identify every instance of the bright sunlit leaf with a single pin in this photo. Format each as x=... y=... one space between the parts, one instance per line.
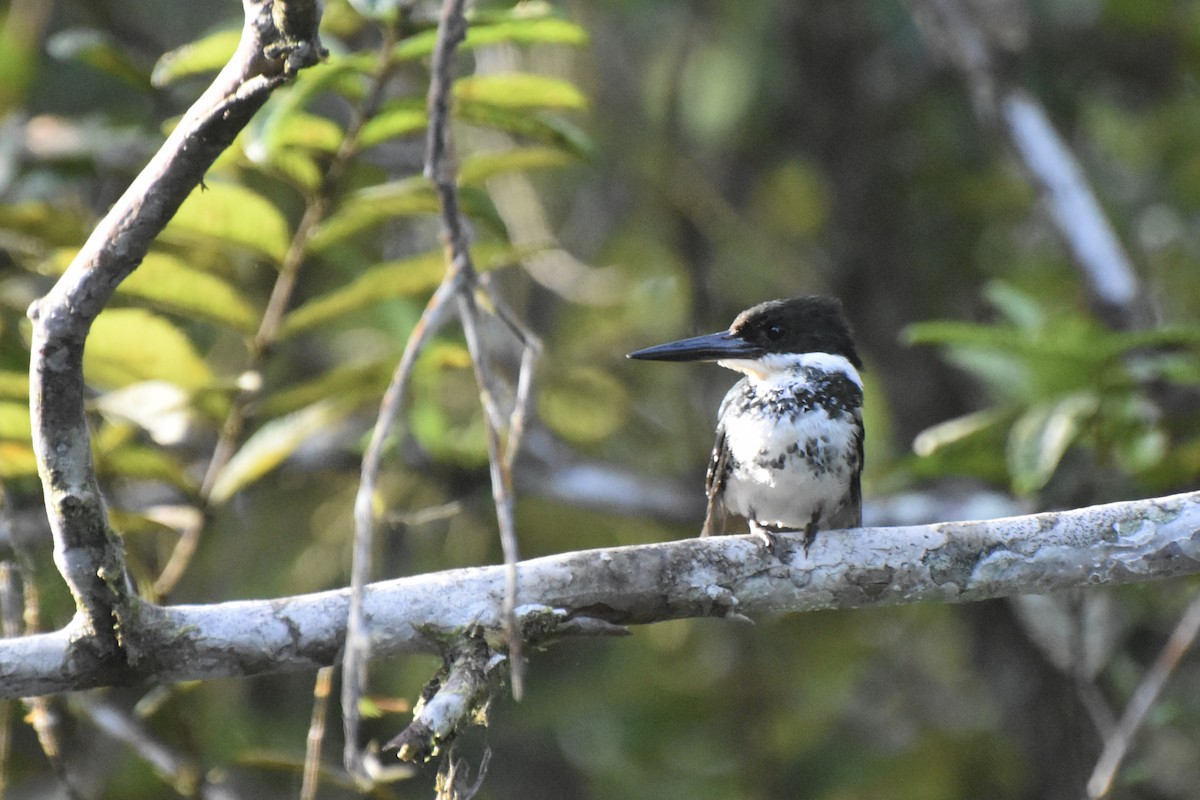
x=17 y=459
x=270 y=446
x=402 y=118
x=168 y=282
x=205 y=55
x=520 y=90
x=546 y=128
x=127 y=345
x=1040 y=438
x=481 y=166
x=522 y=25
x=14 y=385
x=15 y=422
x=387 y=281
x=377 y=205
x=231 y=215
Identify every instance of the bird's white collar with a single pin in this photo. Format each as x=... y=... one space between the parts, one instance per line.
x=775 y=363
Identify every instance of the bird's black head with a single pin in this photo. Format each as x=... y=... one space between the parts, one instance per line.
x=813 y=324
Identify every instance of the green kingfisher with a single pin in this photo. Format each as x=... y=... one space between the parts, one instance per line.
x=789 y=448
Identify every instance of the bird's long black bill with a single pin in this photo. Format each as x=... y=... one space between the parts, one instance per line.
x=712 y=347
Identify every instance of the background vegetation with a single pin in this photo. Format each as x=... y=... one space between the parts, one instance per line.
x=635 y=172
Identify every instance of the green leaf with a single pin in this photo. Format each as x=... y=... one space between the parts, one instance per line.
x=270 y=446
x=546 y=128
x=167 y=282
x=17 y=460
x=352 y=384
x=99 y=51
x=1040 y=437
x=34 y=225
x=145 y=463
x=376 y=205
x=479 y=167
x=400 y=118
x=231 y=215
x=296 y=167
x=15 y=423
x=935 y=437
x=208 y=54
x=268 y=130
x=373 y=206
x=14 y=385
x=1022 y=310
x=531 y=30
x=520 y=90
x=529 y=23
x=127 y=345
x=942 y=332
x=307 y=131
x=583 y=404
x=388 y=281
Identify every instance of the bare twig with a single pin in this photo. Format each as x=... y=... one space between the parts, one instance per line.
x=322 y=688
x=358 y=645
x=502 y=496
x=458 y=697
x=440 y=167
x=179 y=771
x=1117 y=744
x=593 y=592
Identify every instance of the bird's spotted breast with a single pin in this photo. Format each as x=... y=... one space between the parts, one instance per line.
x=834 y=392
x=794 y=444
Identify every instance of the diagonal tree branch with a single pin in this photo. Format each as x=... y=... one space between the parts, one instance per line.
x=971 y=40
x=86 y=551
x=594 y=592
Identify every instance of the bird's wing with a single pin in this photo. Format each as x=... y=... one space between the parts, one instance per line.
x=856 y=480
x=714 y=485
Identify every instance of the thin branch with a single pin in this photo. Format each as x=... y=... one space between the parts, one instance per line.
x=357 y=640
x=458 y=698
x=181 y=772
x=440 y=167
x=593 y=592
x=502 y=496
x=322 y=688
x=1117 y=744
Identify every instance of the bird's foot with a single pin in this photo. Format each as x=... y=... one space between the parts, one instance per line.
x=810 y=535
x=775 y=544
x=768 y=537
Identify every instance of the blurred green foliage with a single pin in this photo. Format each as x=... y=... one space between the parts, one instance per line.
x=693 y=159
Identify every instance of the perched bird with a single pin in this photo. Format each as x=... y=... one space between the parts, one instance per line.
x=789 y=449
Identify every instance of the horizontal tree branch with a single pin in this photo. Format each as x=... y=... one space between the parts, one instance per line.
x=594 y=592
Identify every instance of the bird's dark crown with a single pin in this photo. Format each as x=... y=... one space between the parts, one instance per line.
x=812 y=324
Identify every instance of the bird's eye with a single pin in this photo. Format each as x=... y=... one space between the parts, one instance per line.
x=774 y=333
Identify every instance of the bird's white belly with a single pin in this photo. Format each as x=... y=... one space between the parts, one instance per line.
x=787 y=473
